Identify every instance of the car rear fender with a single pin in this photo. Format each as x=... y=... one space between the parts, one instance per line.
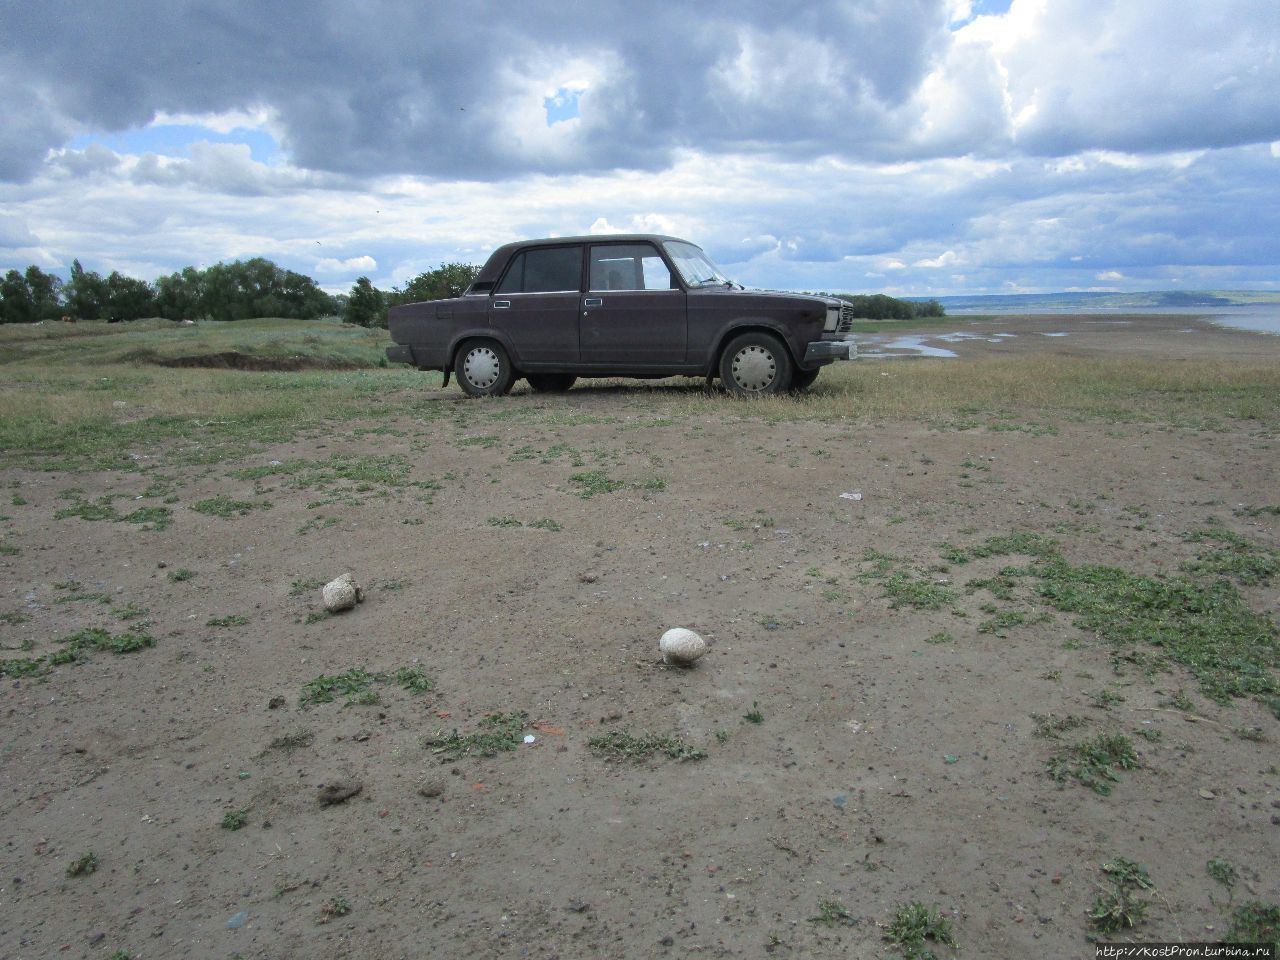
x=482 y=333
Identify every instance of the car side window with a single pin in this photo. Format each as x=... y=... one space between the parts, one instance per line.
x=630 y=266
x=550 y=270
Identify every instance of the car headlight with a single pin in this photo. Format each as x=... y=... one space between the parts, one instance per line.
x=833 y=319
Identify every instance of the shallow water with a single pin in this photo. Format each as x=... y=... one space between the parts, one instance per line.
x=1258 y=317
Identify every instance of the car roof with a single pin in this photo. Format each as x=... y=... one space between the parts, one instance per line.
x=498 y=259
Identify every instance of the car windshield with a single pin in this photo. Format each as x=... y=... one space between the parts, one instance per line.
x=695 y=266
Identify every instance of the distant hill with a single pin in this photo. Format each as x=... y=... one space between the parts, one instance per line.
x=1147 y=299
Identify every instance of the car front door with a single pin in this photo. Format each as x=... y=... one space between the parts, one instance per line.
x=536 y=304
x=633 y=313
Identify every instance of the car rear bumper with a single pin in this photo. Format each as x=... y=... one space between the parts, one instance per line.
x=399 y=354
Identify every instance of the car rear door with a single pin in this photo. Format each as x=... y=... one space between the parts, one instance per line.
x=536 y=304
x=633 y=313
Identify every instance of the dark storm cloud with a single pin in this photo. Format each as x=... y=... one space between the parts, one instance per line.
x=429 y=89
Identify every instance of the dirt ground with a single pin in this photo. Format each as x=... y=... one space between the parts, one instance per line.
x=895 y=759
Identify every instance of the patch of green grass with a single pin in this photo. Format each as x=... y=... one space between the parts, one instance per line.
x=414 y=679
x=1207 y=628
x=1255 y=922
x=593 y=482
x=324 y=689
x=618 y=745
x=1005 y=620
x=83 y=866
x=224 y=506
x=833 y=913
x=939 y=638
x=1092 y=763
x=1223 y=871
x=754 y=715
x=13 y=617
x=181 y=575
x=9 y=550
x=546 y=523
x=234 y=819
x=905 y=590
x=914 y=926
x=347 y=472
x=507 y=521
x=650 y=483
x=1051 y=727
x=231 y=620
x=1120 y=906
x=1028 y=544
x=1104 y=699
x=1257 y=511
x=498 y=732
x=152 y=518
x=302 y=587
x=130 y=611
x=24 y=667
x=1236 y=557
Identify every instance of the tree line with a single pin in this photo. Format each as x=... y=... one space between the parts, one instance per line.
x=225 y=291
x=878 y=306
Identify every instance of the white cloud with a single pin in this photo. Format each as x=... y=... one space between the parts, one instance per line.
x=331 y=265
x=942 y=260
x=1110 y=275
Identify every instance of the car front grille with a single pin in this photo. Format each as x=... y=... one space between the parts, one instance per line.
x=846 y=318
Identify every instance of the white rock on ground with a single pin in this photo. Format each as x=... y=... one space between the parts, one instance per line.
x=682 y=647
x=342 y=594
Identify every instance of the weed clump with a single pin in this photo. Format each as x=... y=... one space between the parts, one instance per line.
x=499 y=732
x=1121 y=907
x=1092 y=763
x=618 y=745
x=83 y=866
x=914 y=926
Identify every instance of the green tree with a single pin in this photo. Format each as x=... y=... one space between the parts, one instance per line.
x=16 y=305
x=366 y=305
x=128 y=298
x=445 y=281
x=179 y=296
x=86 y=293
x=45 y=290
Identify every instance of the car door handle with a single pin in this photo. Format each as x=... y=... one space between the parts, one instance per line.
x=501 y=304
x=593 y=302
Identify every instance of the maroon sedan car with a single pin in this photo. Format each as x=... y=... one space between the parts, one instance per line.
x=635 y=305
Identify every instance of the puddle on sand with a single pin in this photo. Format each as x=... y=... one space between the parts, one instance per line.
x=921 y=345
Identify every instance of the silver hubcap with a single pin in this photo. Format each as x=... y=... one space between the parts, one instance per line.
x=754 y=368
x=482 y=367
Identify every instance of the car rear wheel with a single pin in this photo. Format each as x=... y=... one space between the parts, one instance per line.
x=551 y=382
x=755 y=364
x=483 y=369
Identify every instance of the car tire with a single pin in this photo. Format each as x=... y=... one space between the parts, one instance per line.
x=551 y=382
x=803 y=379
x=483 y=369
x=756 y=364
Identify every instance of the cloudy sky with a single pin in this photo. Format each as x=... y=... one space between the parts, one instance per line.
x=919 y=147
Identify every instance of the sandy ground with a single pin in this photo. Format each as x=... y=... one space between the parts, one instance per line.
x=886 y=768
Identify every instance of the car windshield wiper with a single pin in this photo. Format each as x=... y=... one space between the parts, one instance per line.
x=717 y=280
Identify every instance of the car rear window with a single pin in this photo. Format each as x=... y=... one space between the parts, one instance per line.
x=550 y=270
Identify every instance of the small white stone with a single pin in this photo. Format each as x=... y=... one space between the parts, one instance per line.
x=342 y=594
x=681 y=646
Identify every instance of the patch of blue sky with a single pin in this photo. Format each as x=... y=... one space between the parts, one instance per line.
x=561 y=105
x=174 y=140
x=983 y=8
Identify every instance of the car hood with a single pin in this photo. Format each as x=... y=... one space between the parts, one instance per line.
x=778 y=297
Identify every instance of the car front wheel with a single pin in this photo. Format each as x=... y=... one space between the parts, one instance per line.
x=755 y=364
x=483 y=369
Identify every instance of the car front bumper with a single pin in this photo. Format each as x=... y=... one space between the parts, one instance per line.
x=823 y=351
